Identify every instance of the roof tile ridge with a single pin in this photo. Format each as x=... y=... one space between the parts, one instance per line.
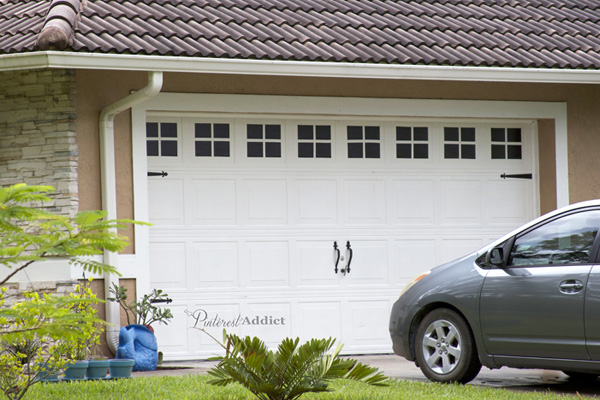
x=59 y=26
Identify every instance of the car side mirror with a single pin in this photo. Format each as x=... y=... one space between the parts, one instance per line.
x=496 y=257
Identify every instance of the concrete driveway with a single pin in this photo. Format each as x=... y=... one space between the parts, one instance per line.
x=508 y=378
x=397 y=367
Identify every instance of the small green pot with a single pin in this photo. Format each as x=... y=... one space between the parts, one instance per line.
x=120 y=367
x=76 y=369
x=97 y=369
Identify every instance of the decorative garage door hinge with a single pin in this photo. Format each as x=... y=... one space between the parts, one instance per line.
x=517 y=176
x=162 y=174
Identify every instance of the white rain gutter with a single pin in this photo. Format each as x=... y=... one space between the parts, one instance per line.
x=131 y=62
x=109 y=189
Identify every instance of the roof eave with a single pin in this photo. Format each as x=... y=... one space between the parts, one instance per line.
x=128 y=62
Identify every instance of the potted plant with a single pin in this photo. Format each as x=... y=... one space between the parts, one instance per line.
x=76 y=367
x=143 y=312
x=137 y=340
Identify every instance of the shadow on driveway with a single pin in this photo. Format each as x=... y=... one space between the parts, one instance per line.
x=507 y=378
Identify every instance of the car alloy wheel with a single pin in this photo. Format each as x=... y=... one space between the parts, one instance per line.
x=441 y=346
x=446 y=350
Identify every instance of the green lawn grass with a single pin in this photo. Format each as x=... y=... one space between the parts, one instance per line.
x=196 y=387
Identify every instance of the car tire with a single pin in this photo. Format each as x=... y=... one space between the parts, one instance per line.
x=446 y=350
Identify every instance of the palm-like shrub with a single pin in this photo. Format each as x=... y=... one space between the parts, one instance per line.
x=291 y=371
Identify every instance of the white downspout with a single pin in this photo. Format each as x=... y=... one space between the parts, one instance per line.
x=109 y=190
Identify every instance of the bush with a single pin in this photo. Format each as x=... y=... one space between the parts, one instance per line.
x=291 y=371
x=39 y=333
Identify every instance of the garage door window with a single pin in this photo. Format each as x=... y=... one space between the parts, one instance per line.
x=264 y=141
x=161 y=139
x=506 y=143
x=314 y=141
x=364 y=142
x=459 y=143
x=212 y=140
x=412 y=142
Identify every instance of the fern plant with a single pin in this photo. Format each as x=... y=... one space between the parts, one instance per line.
x=291 y=371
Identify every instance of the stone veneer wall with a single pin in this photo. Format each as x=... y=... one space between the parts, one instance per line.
x=14 y=290
x=37 y=133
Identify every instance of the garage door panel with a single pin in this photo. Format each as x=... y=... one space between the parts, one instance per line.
x=174 y=338
x=319 y=319
x=167 y=206
x=315 y=262
x=315 y=202
x=168 y=265
x=366 y=201
x=461 y=202
x=268 y=263
x=213 y=317
x=216 y=264
x=369 y=322
x=504 y=205
x=269 y=321
x=413 y=201
x=413 y=257
x=369 y=264
x=265 y=202
x=214 y=201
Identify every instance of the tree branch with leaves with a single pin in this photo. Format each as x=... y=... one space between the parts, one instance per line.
x=52 y=328
x=29 y=234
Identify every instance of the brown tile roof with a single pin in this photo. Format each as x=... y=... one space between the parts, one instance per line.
x=511 y=33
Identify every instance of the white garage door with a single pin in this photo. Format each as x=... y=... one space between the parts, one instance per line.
x=247 y=221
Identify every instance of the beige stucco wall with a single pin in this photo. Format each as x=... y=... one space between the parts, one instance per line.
x=97 y=286
x=102 y=89
x=97 y=89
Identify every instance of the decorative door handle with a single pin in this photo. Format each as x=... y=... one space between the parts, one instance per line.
x=348 y=250
x=337 y=260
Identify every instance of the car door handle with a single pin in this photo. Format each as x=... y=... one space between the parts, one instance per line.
x=570 y=286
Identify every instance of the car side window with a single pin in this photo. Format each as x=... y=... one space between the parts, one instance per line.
x=565 y=241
